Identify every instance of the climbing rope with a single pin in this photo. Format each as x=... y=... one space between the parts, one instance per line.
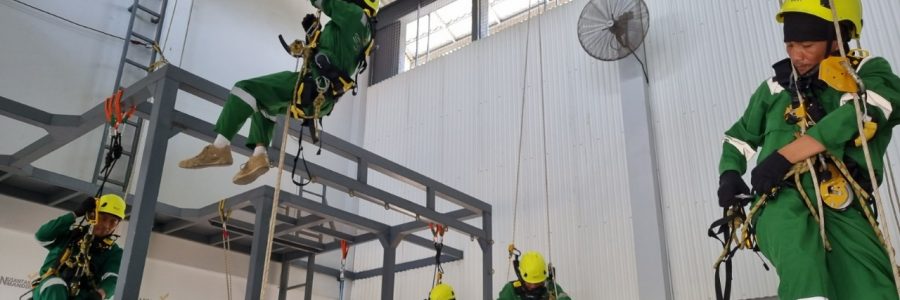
x=892 y=189
x=437 y=231
x=513 y=257
x=224 y=215
x=551 y=270
x=281 y=154
x=889 y=248
x=521 y=135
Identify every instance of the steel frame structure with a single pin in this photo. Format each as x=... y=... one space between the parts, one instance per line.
x=20 y=179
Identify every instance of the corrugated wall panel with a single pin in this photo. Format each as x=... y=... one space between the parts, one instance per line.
x=457 y=119
x=705 y=60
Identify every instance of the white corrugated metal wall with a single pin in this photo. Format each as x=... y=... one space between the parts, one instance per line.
x=456 y=119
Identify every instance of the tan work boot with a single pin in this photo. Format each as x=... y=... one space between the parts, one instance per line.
x=209 y=157
x=252 y=169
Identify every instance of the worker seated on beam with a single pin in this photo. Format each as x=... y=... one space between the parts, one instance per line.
x=534 y=281
x=84 y=259
x=442 y=291
x=334 y=56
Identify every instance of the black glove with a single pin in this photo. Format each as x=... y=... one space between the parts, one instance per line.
x=88 y=205
x=730 y=186
x=308 y=22
x=769 y=174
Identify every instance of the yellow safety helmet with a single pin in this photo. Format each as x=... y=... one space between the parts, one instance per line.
x=847 y=10
x=111 y=204
x=442 y=291
x=532 y=267
x=371 y=5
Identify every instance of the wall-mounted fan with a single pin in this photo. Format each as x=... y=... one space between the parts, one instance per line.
x=609 y=30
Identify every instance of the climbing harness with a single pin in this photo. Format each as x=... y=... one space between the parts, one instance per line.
x=75 y=266
x=224 y=216
x=331 y=81
x=882 y=232
x=345 y=248
x=837 y=188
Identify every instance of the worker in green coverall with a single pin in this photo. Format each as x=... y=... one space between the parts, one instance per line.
x=857 y=266
x=337 y=57
x=58 y=235
x=533 y=282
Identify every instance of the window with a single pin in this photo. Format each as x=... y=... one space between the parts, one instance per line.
x=446 y=26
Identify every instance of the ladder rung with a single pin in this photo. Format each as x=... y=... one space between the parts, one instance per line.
x=142 y=37
x=136 y=64
x=152 y=13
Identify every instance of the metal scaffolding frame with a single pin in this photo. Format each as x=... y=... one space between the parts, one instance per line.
x=20 y=179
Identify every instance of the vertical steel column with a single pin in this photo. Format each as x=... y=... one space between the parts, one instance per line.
x=144 y=205
x=310 y=265
x=654 y=281
x=283 y=282
x=389 y=242
x=480 y=13
x=487 y=258
x=258 y=250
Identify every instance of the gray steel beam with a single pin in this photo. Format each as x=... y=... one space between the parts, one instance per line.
x=283 y=282
x=414 y=226
x=378 y=196
x=239 y=201
x=326 y=211
x=398 y=9
x=401 y=267
x=144 y=207
x=302 y=223
x=63 y=129
x=258 y=257
x=429 y=244
x=65 y=196
x=24 y=113
x=307 y=292
x=487 y=257
x=654 y=280
x=333 y=233
x=316 y=268
x=389 y=267
x=375 y=162
x=250 y=230
x=176 y=226
x=480 y=10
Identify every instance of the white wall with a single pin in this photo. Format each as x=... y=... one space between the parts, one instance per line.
x=457 y=119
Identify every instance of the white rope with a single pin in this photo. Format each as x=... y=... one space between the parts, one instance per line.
x=226 y=243
x=892 y=189
x=865 y=145
x=271 y=236
x=546 y=172
x=812 y=169
x=521 y=135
